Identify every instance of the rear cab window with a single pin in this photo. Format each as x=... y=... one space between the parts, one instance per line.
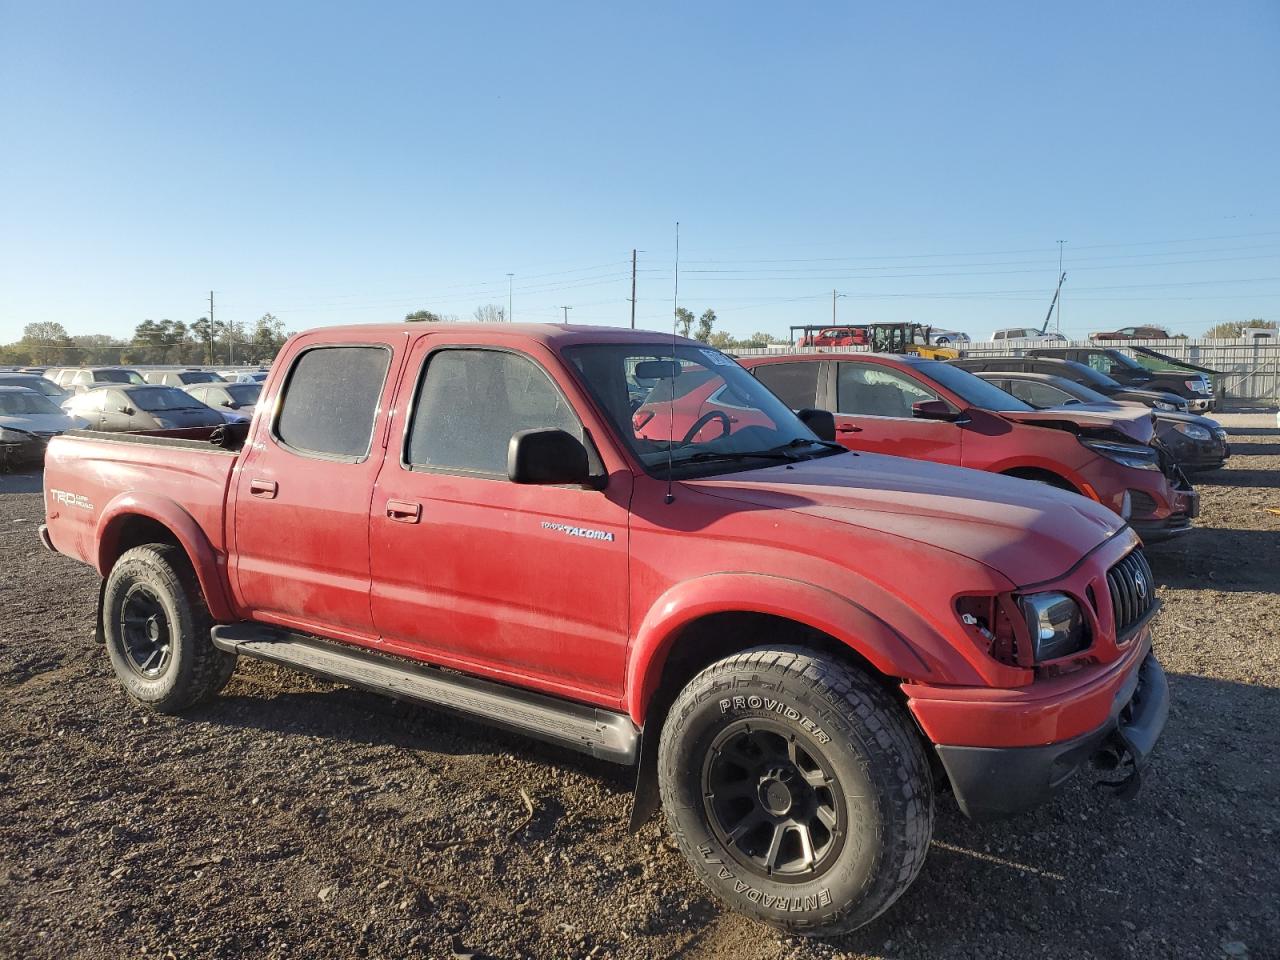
x=330 y=401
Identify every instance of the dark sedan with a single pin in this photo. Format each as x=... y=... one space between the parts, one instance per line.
x=1193 y=442
x=1079 y=373
x=141 y=407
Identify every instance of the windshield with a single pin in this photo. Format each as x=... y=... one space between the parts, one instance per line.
x=163 y=398
x=1087 y=374
x=245 y=394
x=1119 y=359
x=973 y=390
x=117 y=376
x=693 y=405
x=38 y=384
x=199 y=376
x=19 y=402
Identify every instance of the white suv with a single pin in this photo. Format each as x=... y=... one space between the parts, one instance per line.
x=1026 y=335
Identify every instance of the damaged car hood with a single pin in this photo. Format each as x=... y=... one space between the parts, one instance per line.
x=1027 y=531
x=1134 y=426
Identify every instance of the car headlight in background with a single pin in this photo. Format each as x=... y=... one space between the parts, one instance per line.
x=1127 y=454
x=1193 y=430
x=1161 y=405
x=1056 y=625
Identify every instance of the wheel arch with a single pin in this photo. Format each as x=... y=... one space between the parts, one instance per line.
x=130 y=521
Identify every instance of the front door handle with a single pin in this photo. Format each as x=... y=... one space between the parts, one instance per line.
x=263 y=488
x=848 y=428
x=404 y=511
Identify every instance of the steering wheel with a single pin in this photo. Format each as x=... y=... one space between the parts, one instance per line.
x=703 y=420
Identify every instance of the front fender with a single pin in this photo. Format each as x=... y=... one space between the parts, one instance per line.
x=174 y=518
x=846 y=620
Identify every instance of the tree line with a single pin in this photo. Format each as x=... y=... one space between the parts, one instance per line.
x=48 y=343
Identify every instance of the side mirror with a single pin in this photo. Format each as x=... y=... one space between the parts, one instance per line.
x=821 y=422
x=933 y=410
x=231 y=404
x=127 y=411
x=547 y=457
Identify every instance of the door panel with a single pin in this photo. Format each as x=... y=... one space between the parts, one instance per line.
x=506 y=579
x=303 y=490
x=873 y=404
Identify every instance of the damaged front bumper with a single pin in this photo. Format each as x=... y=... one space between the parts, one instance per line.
x=993 y=782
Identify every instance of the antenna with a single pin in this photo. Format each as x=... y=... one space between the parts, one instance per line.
x=1053 y=303
x=675 y=367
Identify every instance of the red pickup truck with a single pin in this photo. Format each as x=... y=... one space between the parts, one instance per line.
x=796 y=645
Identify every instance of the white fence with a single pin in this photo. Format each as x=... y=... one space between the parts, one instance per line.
x=1247 y=371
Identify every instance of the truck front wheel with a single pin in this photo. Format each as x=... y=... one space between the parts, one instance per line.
x=156 y=626
x=797 y=788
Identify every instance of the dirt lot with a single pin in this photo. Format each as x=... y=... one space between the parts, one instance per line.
x=292 y=818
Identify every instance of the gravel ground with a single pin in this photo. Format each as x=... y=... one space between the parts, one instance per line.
x=294 y=818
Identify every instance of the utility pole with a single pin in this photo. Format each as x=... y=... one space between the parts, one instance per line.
x=211 y=359
x=566 y=313
x=1057 y=323
x=833 y=305
x=633 y=289
x=510 y=313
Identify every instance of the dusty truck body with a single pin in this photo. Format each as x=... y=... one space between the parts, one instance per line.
x=796 y=645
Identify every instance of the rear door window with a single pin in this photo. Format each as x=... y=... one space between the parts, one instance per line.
x=330 y=401
x=795 y=384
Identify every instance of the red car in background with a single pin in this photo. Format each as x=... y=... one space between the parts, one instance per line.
x=929 y=410
x=834 y=337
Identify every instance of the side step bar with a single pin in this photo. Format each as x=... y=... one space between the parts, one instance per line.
x=600 y=733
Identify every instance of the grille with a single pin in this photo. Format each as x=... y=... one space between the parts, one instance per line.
x=1132 y=589
x=1141 y=504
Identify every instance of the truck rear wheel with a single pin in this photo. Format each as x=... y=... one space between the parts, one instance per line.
x=797 y=788
x=156 y=625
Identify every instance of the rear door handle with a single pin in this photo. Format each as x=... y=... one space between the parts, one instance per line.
x=404 y=511
x=848 y=428
x=263 y=488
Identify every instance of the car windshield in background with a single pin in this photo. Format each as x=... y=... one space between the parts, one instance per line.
x=200 y=376
x=694 y=406
x=153 y=399
x=973 y=390
x=116 y=376
x=1094 y=377
x=19 y=402
x=245 y=394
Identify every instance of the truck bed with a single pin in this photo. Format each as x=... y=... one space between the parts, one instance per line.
x=91 y=476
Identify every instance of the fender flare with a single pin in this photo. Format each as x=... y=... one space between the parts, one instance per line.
x=843 y=618
x=174 y=518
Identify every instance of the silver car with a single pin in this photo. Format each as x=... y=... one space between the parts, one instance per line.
x=140 y=408
x=34 y=382
x=235 y=401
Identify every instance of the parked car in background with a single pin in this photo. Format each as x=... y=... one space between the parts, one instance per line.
x=141 y=407
x=790 y=643
x=28 y=421
x=182 y=378
x=34 y=382
x=235 y=401
x=1193 y=386
x=251 y=376
x=80 y=379
x=944 y=337
x=38 y=371
x=1071 y=370
x=1026 y=335
x=1133 y=333
x=834 y=336
x=931 y=410
x=1193 y=442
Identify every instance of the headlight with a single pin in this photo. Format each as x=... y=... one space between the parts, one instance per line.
x=1193 y=430
x=1126 y=454
x=1056 y=625
x=12 y=436
x=1161 y=405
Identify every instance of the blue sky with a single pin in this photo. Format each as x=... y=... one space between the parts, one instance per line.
x=349 y=163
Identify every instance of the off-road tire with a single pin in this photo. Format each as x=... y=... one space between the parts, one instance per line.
x=841 y=719
x=159 y=576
